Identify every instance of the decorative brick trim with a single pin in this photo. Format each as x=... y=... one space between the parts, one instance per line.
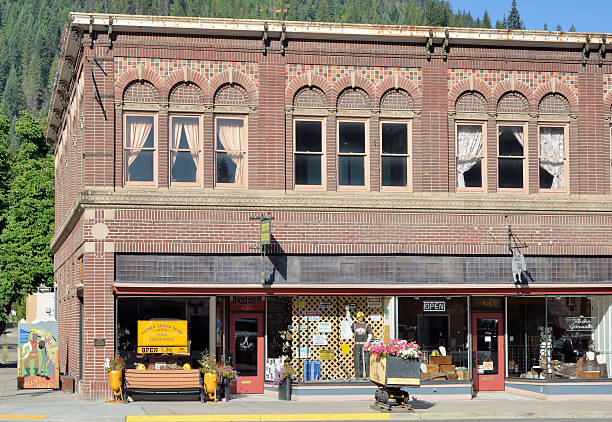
x=402 y=83
x=232 y=76
x=608 y=103
x=303 y=80
x=133 y=75
x=560 y=88
x=509 y=85
x=467 y=84
x=349 y=81
x=187 y=75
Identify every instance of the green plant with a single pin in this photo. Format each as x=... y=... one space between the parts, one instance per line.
x=208 y=364
x=286 y=371
x=114 y=364
x=227 y=372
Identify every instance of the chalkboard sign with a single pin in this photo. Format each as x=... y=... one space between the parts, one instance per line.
x=579 y=324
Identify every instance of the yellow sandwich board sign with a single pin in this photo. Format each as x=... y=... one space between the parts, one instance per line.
x=162 y=336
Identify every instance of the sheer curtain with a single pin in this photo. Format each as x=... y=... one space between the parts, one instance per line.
x=231 y=134
x=552 y=153
x=469 y=147
x=140 y=128
x=517 y=132
x=191 y=134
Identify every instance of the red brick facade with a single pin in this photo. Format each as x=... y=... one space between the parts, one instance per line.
x=97 y=215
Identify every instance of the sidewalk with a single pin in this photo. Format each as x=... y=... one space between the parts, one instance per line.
x=51 y=406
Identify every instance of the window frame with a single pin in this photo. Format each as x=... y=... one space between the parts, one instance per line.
x=365 y=155
x=199 y=172
x=566 y=173
x=322 y=154
x=155 y=148
x=408 y=155
x=483 y=156
x=525 y=157
x=245 y=120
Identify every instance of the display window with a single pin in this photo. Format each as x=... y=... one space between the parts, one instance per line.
x=440 y=326
x=526 y=321
x=174 y=312
x=324 y=337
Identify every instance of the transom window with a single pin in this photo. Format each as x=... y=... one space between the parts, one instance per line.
x=185 y=150
x=230 y=151
x=510 y=157
x=552 y=151
x=395 y=154
x=140 y=148
x=308 y=152
x=352 y=153
x=469 y=156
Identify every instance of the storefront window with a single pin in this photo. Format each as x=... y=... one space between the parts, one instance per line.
x=439 y=326
x=131 y=310
x=526 y=322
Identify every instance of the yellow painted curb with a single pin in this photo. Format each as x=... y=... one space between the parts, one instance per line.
x=24 y=417
x=261 y=418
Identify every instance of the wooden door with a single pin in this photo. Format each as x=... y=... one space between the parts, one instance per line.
x=247 y=347
x=488 y=370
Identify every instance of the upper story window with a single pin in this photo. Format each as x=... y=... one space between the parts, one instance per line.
x=140 y=148
x=395 y=153
x=352 y=153
x=230 y=151
x=185 y=150
x=469 y=156
x=511 y=157
x=308 y=149
x=553 y=144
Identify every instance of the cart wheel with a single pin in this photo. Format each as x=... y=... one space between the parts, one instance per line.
x=384 y=397
x=377 y=395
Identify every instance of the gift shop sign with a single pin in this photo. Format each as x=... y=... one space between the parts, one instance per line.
x=579 y=324
x=162 y=333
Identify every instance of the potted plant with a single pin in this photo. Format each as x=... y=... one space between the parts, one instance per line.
x=283 y=378
x=114 y=367
x=228 y=377
x=396 y=359
x=208 y=366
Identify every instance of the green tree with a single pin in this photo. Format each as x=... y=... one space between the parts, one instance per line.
x=26 y=260
x=572 y=28
x=514 y=18
x=545 y=27
x=486 y=20
x=559 y=27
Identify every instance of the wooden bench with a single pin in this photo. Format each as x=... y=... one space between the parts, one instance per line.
x=164 y=380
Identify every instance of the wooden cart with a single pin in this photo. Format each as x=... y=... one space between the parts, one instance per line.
x=390 y=374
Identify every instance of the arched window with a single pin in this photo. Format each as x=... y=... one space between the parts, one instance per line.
x=311 y=97
x=141 y=92
x=553 y=143
x=353 y=141
x=554 y=104
x=308 y=134
x=471 y=101
x=396 y=99
x=186 y=93
x=353 y=98
x=513 y=102
x=231 y=94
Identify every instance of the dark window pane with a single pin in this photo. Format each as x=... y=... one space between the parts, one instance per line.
x=144 y=123
x=510 y=172
x=141 y=168
x=308 y=136
x=352 y=137
x=473 y=177
x=509 y=143
x=486 y=344
x=395 y=138
x=226 y=168
x=307 y=169
x=189 y=122
x=546 y=179
x=394 y=171
x=184 y=168
x=246 y=347
x=350 y=171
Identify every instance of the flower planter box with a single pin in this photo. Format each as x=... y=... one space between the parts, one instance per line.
x=394 y=371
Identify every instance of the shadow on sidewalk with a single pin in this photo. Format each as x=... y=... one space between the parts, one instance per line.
x=420 y=404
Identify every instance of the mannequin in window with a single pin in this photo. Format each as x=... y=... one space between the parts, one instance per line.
x=362 y=332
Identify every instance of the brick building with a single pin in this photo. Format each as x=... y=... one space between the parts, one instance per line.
x=393 y=161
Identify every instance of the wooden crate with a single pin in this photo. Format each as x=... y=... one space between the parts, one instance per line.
x=441 y=360
x=463 y=374
x=589 y=374
x=447 y=368
x=432 y=369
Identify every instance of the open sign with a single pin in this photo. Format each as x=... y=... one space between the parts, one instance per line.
x=434 y=306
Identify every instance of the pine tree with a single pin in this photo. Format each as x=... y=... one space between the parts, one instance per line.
x=559 y=27
x=12 y=97
x=486 y=20
x=572 y=28
x=545 y=26
x=514 y=18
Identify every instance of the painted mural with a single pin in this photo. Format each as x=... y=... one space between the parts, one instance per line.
x=37 y=360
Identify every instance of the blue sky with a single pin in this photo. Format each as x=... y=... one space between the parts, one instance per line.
x=591 y=16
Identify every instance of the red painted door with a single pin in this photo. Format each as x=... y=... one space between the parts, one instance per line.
x=247 y=347
x=488 y=344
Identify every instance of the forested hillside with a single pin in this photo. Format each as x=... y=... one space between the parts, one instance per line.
x=30 y=31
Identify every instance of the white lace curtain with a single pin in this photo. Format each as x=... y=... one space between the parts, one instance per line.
x=469 y=148
x=140 y=128
x=191 y=134
x=552 y=154
x=517 y=132
x=231 y=140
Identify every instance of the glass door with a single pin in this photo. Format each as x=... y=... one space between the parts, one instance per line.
x=247 y=347
x=488 y=348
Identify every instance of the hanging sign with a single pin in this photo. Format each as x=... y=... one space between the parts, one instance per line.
x=346 y=333
x=264 y=231
x=579 y=324
x=487 y=365
x=325 y=305
x=326 y=354
x=324 y=327
x=319 y=340
x=162 y=333
x=434 y=306
x=374 y=301
x=312 y=315
x=346 y=349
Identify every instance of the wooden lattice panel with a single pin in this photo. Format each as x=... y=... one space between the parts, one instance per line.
x=342 y=365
